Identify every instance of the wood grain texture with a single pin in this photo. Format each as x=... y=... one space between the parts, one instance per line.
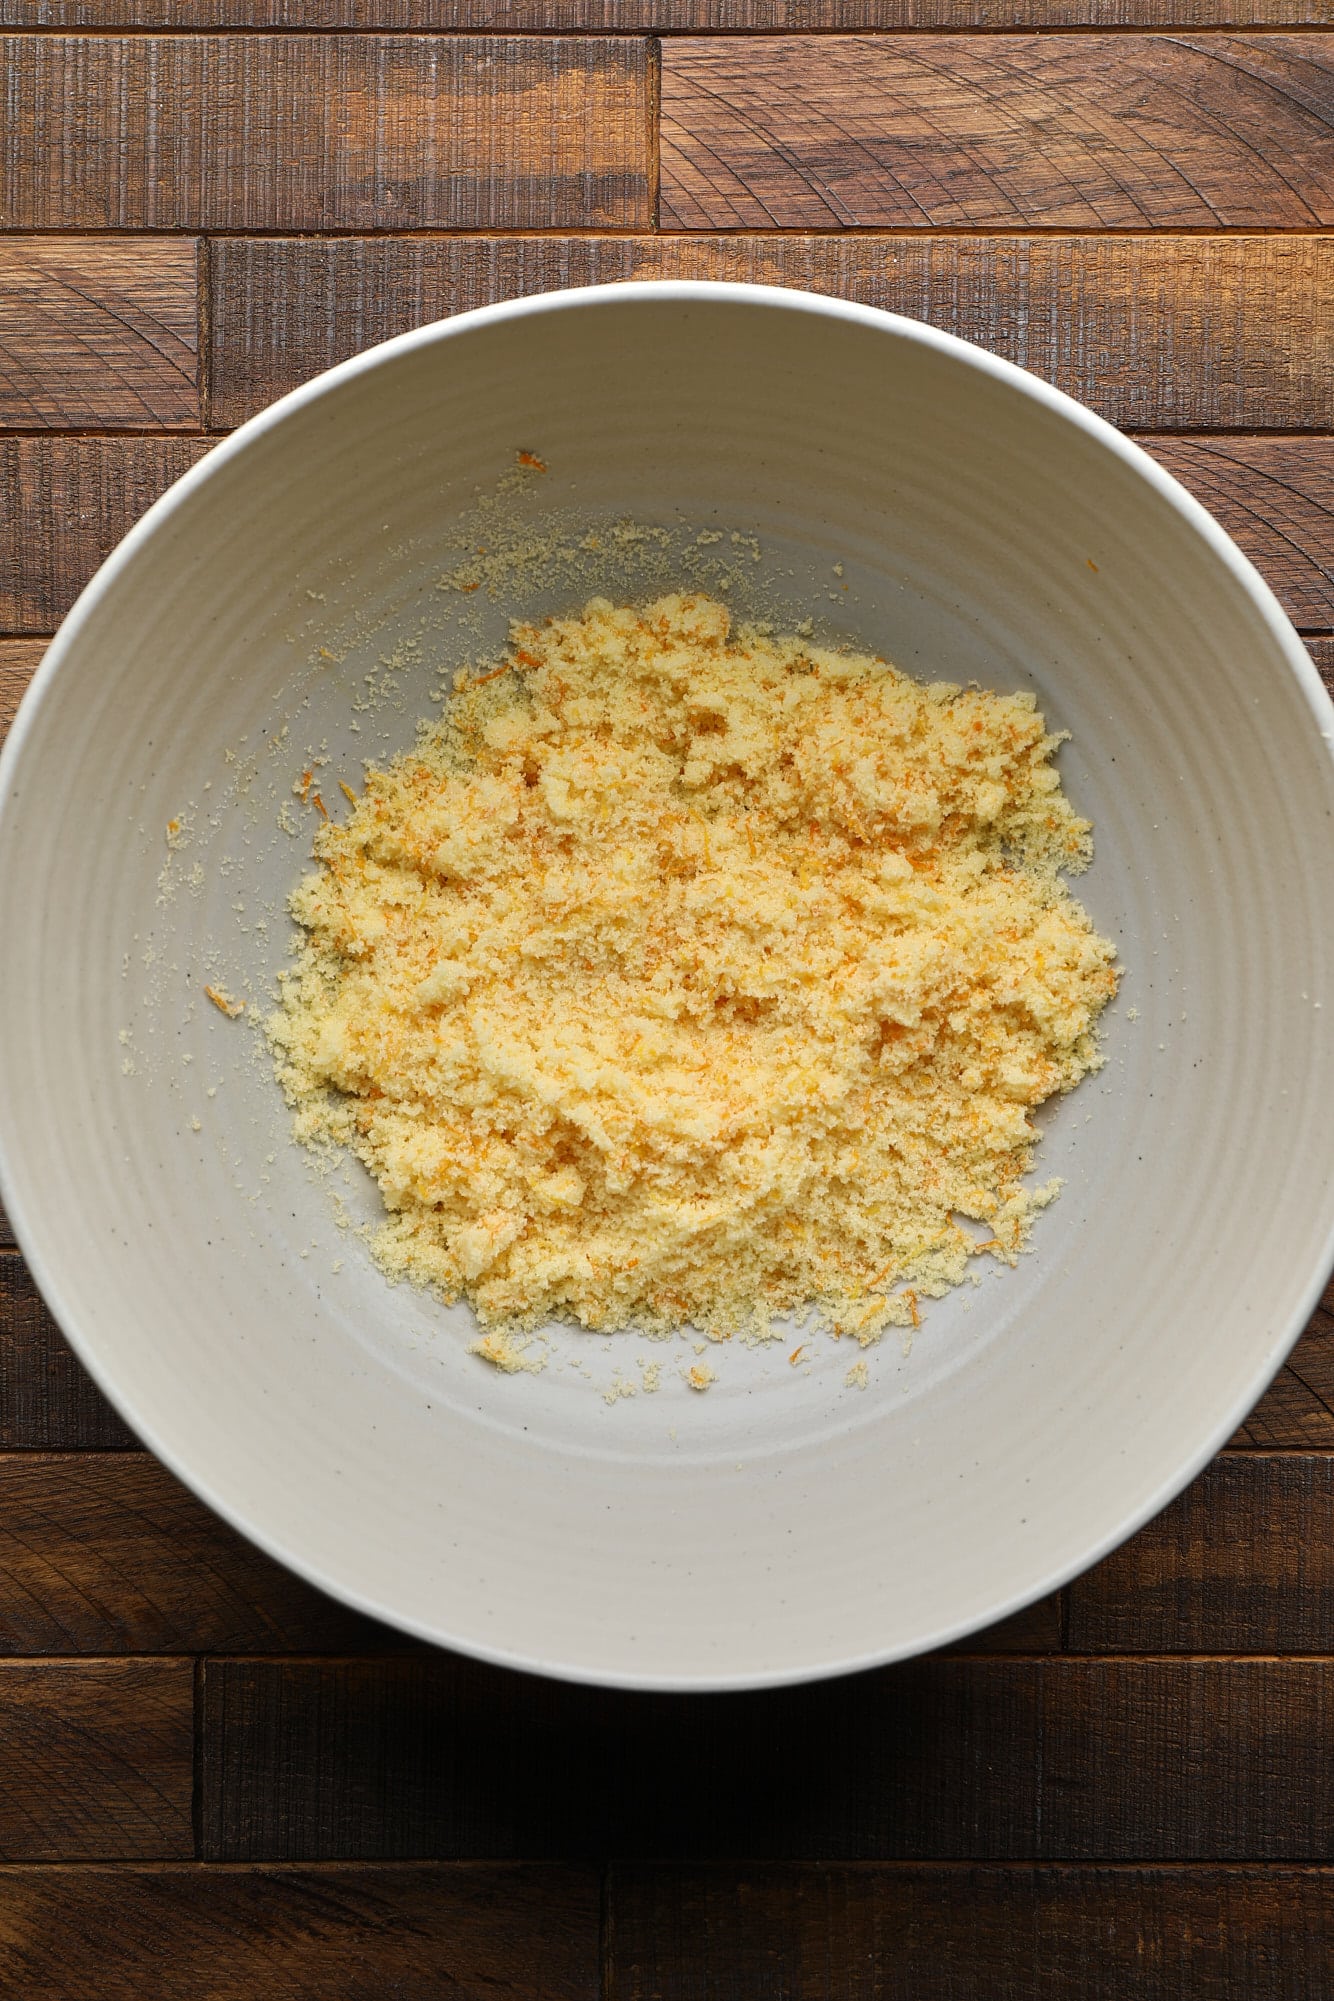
x=985 y=1759
x=1298 y=1407
x=98 y=334
x=658 y=16
x=97 y=1759
x=47 y=1399
x=923 y=1934
x=400 y=1757
x=107 y=1553
x=19 y=661
x=324 y=132
x=64 y=505
x=182 y=1933
x=1038 y=1629
x=1322 y=653
x=1275 y=496
x=1242 y=1562
x=1231 y=333
x=1068 y=131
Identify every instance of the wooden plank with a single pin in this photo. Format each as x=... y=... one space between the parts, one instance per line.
x=1275 y=496
x=1322 y=652
x=985 y=1759
x=1066 y=131
x=399 y=1757
x=64 y=505
x=657 y=16
x=324 y=132
x=1201 y=333
x=98 y=334
x=1298 y=1407
x=938 y=1934
x=1038 y=1629
x=107 y=1553
x=19 y=661
x=47 y=1399
x=1242 y=1562
x=183 y=1933
x=97 y=1759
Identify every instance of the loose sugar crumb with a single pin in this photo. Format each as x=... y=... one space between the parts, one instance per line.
x=686 y=975
x=512 y=1356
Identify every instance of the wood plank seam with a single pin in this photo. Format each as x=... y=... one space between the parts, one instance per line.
x=651 y=26
x=113 y=434
x=204 y=330
x=955 y=1656
x=851 y=232
x=612 y=1860
x=197 y=1760
x=655 y=134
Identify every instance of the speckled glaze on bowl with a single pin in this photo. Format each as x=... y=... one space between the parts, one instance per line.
x=783 y=1526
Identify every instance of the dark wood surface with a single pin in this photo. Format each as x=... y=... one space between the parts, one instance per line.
x=214 y=1784
x=420 y=1932
x=965 y=1933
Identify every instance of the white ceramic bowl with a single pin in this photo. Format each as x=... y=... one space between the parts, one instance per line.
x=782 y=1526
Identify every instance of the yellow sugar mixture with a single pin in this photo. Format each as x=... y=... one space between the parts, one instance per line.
x=688 y=975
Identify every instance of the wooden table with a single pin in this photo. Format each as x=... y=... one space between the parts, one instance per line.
x=213 y=1783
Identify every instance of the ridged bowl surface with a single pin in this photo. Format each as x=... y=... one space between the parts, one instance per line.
x=782 y=1526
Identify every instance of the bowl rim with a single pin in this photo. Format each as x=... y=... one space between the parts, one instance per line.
x=26 y=1226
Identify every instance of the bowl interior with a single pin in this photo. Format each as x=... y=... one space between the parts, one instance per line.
x=298 y=599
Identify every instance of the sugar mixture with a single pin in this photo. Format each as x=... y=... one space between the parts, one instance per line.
x=686 y=974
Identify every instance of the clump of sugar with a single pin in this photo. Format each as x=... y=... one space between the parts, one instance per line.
x=690 y=975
